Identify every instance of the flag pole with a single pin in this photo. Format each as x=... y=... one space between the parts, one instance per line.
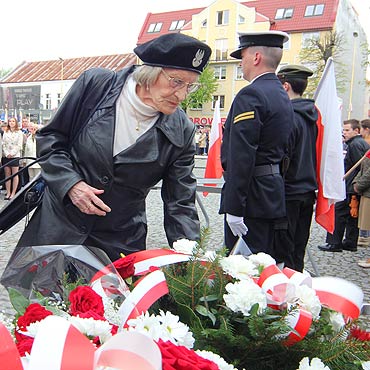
x=367 y=154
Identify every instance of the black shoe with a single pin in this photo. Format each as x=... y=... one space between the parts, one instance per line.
x=331 y=248
x=348 y=247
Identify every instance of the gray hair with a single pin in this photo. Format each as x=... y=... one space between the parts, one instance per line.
x=146 y=75
x=272 y=55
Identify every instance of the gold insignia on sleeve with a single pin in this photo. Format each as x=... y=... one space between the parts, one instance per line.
x=244 y=116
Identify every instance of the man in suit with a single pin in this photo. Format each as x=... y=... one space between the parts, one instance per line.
x=254 y=145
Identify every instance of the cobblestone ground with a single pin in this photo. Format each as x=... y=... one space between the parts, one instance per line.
x=342 y=265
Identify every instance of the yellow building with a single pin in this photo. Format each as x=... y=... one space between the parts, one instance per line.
x=218 y=25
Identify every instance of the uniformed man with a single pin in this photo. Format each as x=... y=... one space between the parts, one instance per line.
x=300 y=179
x=254 y=144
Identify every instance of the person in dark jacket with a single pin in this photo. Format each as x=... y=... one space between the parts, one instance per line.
x=300 y=178
x=345 y=224
x=254 y=144
x=113 y=138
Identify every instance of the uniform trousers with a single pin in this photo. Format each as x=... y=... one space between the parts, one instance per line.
x=344 y=225
x=259 y=238
x=291 y=238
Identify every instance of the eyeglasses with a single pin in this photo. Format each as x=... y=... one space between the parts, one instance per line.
x=178 y=84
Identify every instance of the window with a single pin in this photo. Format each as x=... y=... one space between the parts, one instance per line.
x=220 y=72
x=307 y=37
x=176 y=25
x=239 y=73
x=312 y=10
x=222 y=101
x=221 y=49
x=222 y=17
x=59 y=99
x=286 y=45
x=284 y=13
x=155 y=27
x=47 y=101
x=241 y=19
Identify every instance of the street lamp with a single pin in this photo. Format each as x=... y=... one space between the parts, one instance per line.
x=355 y=35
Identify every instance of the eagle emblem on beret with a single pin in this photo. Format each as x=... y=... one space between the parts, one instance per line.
x=197 y=60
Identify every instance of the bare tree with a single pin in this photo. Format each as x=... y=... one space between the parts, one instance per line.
x=316 y=52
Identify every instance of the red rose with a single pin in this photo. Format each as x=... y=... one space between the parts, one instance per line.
x=125 y=266
x=84 y=299
x=181 y=358
x=34 y=312
x=25 y=346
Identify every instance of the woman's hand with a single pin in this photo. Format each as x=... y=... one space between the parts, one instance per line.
x=86 y=199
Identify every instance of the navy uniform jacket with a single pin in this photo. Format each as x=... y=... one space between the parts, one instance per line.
x=256 y=133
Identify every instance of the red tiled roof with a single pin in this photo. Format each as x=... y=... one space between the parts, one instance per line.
x=165 y=18
x=298 y=22
x=51 y=70
x=264 y=8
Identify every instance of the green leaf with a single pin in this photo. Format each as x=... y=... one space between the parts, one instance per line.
x=209 y=298
x=201 y=310
x=18 y=300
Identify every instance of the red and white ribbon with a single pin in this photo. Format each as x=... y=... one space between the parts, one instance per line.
x=144 y=260
x=148 y=290
x=297 y=278
x=339 y=295
x=9 y=356
x=58 y=345
x=300 y=320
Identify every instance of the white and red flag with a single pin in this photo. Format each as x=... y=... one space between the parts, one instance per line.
x=329 y=149
x=213 y=166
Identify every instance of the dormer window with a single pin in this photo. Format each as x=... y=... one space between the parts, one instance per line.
x=176 y=25
x=155 y=27
x=284 y=13
x=313 y=10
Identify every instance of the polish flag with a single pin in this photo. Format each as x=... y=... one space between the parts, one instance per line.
x=213 y=166
x=329 y=149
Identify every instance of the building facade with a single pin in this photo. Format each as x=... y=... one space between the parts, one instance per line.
x=218 y=25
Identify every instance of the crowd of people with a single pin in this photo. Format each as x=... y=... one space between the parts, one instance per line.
x=116 y=135
x=17 y=141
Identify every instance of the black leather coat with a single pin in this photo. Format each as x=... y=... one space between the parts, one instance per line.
x=165 y=152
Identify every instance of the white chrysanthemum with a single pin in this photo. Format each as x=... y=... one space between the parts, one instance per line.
x=261 y=260
x=146 y=324
x=184 y=246
x=214 y=357
x=92 y=328
x=165 y=326
x=366 y=365
x=175 y=331
x=238 y=267
x=242 y=295
x=337 y=321
x=307 y=299
x=316 y=364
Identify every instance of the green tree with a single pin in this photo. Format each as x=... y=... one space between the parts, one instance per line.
x=316 y=52
x=205 y=93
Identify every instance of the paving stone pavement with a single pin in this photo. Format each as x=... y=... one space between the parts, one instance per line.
x=342 y=265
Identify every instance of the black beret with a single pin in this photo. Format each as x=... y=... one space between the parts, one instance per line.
x=266 y=38
x=175 y=50
x=292 y=71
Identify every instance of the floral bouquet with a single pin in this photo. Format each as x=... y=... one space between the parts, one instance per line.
x=200 y=311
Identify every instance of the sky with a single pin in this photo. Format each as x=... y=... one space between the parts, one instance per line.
x=34 y=30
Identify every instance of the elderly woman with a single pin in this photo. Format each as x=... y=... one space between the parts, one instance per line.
x=113 y=138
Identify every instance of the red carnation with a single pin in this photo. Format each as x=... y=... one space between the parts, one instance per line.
x=25 y=346
x=34 y=312
x=125 y=266
x=84 y=299
x=181 y=358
